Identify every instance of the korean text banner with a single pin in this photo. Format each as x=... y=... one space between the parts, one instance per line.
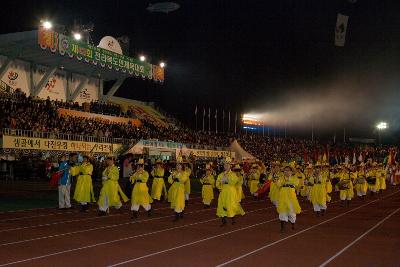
x=18 y=142
x=72 y=48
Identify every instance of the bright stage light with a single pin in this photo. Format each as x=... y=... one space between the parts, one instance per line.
x=77 y=36
x=142 y=58
x=382 y=125
x=162 y=65
x=47 y=25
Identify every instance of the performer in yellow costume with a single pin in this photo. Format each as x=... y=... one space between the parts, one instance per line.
x=288 y=205
x=140 y=192
x=318 y=192
x=328 y=184
x=158 y=187
x=228 y=203
x=373 y=182
x=254 y=179
x=345 y=186
x=84 y=187
x=176 y=193
x=381 y=176
x=239 y=186
x=308 y=181
x=301 y=177
x=111 y=191
x=360 y=182
x=188 y=171
x=208 y=183
x=274 y=176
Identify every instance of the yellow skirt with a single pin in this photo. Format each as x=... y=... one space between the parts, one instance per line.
x=140 y=195
x=253 y=186
x=112 y=191
x=178 y=196
x=187 y=187
x=84 y=189
x=207 y=194
x=239 y=192
x=318 y=195
x=157 y=188
x=287 y=201
x=273 y=192
x=228 y=204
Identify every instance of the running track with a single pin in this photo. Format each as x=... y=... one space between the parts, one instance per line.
x=365 y=234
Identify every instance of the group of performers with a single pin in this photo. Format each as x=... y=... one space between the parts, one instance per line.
x=284 y=183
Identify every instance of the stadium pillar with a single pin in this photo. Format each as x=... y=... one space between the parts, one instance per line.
x=39 y=87
x=114 y=88
x=5 y=66
x=79 y=88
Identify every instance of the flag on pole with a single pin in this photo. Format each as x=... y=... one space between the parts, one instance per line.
x=204 y=114
x=209 y=119
x=195 y=111
x=235 y=121
x=216 y=120
x=229 y=121
x=340 y=30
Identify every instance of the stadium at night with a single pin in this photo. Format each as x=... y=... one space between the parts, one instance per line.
x=199 y=133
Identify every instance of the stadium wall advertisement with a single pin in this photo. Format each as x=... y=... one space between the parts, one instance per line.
x=17 y=142
x=17 y=75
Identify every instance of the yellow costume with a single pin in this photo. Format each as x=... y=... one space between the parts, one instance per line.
x=187 y=183
x=308 y=182
x=274 y=189
x=361 y=184
x=373 y=187
x=381 y=176
x=318 y=194
x=346 y=186
x=228 y=204
x=111 y=191
x=254 y=179
x=84 y=187
x=288 y=205
x=239 y=186
x=140 y=192
x=158 y=185
x=176 y=193
x=301 y=177
x=207 y=191
x=328 y=184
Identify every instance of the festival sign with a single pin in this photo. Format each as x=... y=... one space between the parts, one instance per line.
x=204 y=153
x=67 y=46
x=18 y=142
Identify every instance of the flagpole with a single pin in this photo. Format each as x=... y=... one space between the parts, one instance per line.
x=229 y=121
x=216 y=120
x=235 y=121
x=209 y=119
x=223 y=120
x=195 y=113
x=204 y=113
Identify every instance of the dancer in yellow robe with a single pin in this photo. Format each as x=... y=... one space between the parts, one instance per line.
x=84 y=187
x=228 y=203
x=111 y=191
x=381 y=176
x=254 y=179
x=345 y=186
x=373 y=182
x=176 y=193
x=140 y=191
x=274 y=176
x=318 y=193
x=361 y=185
x=239 y=186
x=208 y=182
x=288 y=205
x=308 y=181
x=301 y=177
x=158 y=187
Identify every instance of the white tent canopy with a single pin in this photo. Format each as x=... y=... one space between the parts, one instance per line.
x=240 y=153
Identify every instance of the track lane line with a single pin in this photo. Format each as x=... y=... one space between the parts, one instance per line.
x=118 y=240
x=300 y=232
x=358 y=239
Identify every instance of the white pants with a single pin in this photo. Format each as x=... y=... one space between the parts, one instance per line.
x=136 y=207
x=361 y=193
x=318 y=207
x=291 y=217
x=186 y=196
x=275 y=202
x=104 y=206
x=178 y=210
x=64 y=198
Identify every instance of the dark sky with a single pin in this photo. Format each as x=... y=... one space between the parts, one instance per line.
x=247 y=55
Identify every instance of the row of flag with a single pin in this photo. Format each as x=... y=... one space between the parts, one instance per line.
x=215 y=117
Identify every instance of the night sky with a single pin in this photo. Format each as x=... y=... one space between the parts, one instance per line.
x=247 y=55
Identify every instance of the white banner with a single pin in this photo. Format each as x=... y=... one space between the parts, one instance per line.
x=340 y=30
x=17 y=76
x=88 y=93
x=55 y=88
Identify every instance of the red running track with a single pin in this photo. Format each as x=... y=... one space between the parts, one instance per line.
x=365 y=234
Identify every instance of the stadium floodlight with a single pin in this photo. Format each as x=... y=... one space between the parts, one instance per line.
x=77 y=36
x=47 y=25
x=382 y=126
x=142 y=58
x=162 y=64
